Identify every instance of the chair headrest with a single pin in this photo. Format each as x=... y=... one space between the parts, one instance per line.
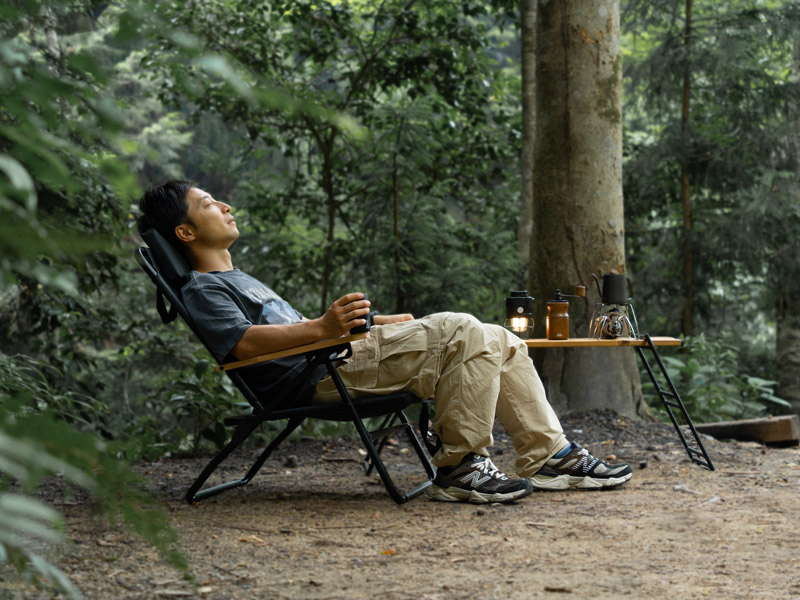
x=172 y=264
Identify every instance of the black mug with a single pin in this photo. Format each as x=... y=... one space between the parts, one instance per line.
x=366 y=326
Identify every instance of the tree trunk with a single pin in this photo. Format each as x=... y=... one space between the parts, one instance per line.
x=686 y=311
x=578 y=225
x=330 y=198
x=787 y=322
x=401 y=297
x=528 y=15
x=787 y=339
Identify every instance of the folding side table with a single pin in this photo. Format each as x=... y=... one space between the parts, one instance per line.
x=669 y=395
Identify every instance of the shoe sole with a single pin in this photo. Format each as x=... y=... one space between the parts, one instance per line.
x=454 y=494
x=568 y=482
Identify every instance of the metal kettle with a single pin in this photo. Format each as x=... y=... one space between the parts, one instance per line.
x=616 y=289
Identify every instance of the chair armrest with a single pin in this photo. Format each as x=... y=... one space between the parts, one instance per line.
x=291 y=352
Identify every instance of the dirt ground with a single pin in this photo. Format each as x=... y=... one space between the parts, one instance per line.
x=312 y=525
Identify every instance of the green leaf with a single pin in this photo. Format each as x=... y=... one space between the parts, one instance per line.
x=200 y=367
x=85 y=63
x=184 y=39
x=37 y=147
x=215 y=64
x=17 y=453
x=20 y=180
x=760 y=383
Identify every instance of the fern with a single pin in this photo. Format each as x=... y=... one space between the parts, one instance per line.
x=35 y=445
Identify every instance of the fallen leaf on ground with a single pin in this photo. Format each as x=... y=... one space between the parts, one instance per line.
x=559 y=590
x=710 y=501
x=252 y=539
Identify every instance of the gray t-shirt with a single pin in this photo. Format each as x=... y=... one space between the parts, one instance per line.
x=223 y=305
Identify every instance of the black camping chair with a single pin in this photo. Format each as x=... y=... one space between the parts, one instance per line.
x=168 y=269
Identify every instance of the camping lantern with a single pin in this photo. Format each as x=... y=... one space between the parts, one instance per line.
x=519 y=313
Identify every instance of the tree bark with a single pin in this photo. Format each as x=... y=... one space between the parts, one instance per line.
x=401 y=296
x=330 y=197
x=787 y=339
x=686 y=311
x=525 y=230
x=578 y=222
x=785 y=263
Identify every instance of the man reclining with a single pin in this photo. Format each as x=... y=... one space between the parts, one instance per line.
x=473 y=371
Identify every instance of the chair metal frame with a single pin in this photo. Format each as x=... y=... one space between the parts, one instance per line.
x=167 y=270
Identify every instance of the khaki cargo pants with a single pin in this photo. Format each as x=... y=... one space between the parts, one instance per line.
x=472 y=370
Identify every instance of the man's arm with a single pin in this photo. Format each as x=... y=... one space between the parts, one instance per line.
x=344 y=314
x=389 y=319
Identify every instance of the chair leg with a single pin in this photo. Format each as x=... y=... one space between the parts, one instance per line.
x=385 y=424
x=413 y=438
x=372 y=452
x=244 y=429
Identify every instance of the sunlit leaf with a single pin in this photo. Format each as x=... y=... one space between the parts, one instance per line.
x=20 y=180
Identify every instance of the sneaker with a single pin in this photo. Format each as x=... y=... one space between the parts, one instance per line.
x=478 y=481
x=579 y=469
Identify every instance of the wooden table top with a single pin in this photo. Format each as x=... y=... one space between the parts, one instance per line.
x=600 y=343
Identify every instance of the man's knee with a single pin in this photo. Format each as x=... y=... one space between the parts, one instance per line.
x=464 y=320
x=454 y=321
x=506 y=338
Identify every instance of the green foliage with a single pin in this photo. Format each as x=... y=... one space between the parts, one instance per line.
x=24 y=523
x=738 y=151
x=64 y=189
x=739 y=64
x=80 y=360
x=713 y=383
x=185 y=410
x=56 y=132
x=35 y=444
x=317 y=204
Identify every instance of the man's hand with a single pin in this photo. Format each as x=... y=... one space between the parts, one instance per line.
x=389 y=319
x=347 y=312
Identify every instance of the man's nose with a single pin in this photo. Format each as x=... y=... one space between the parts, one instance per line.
x=226 y=208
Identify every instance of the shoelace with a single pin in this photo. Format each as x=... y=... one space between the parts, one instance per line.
x=578 y=460
x=583 y=463
x=487 y=466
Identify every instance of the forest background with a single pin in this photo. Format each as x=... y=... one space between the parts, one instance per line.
x=363 y=145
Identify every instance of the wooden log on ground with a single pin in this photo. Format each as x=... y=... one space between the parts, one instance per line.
x=771 y=430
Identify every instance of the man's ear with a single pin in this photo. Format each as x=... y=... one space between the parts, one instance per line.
x=184 y=232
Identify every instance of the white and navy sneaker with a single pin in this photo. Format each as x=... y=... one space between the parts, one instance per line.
x=574 y=467
x=478 y=481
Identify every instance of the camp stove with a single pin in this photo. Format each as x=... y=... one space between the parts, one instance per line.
x=613 y=316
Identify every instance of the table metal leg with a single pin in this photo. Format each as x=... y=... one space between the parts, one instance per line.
x=671 y=400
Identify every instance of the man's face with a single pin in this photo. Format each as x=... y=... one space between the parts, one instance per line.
x=212 y=222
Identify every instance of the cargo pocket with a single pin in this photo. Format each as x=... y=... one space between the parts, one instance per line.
x=358 y=373
x=409 y=356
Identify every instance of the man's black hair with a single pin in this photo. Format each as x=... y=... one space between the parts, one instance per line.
x=164 y=208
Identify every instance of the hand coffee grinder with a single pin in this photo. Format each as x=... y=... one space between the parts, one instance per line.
x=558 y=314
x=613 y=316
